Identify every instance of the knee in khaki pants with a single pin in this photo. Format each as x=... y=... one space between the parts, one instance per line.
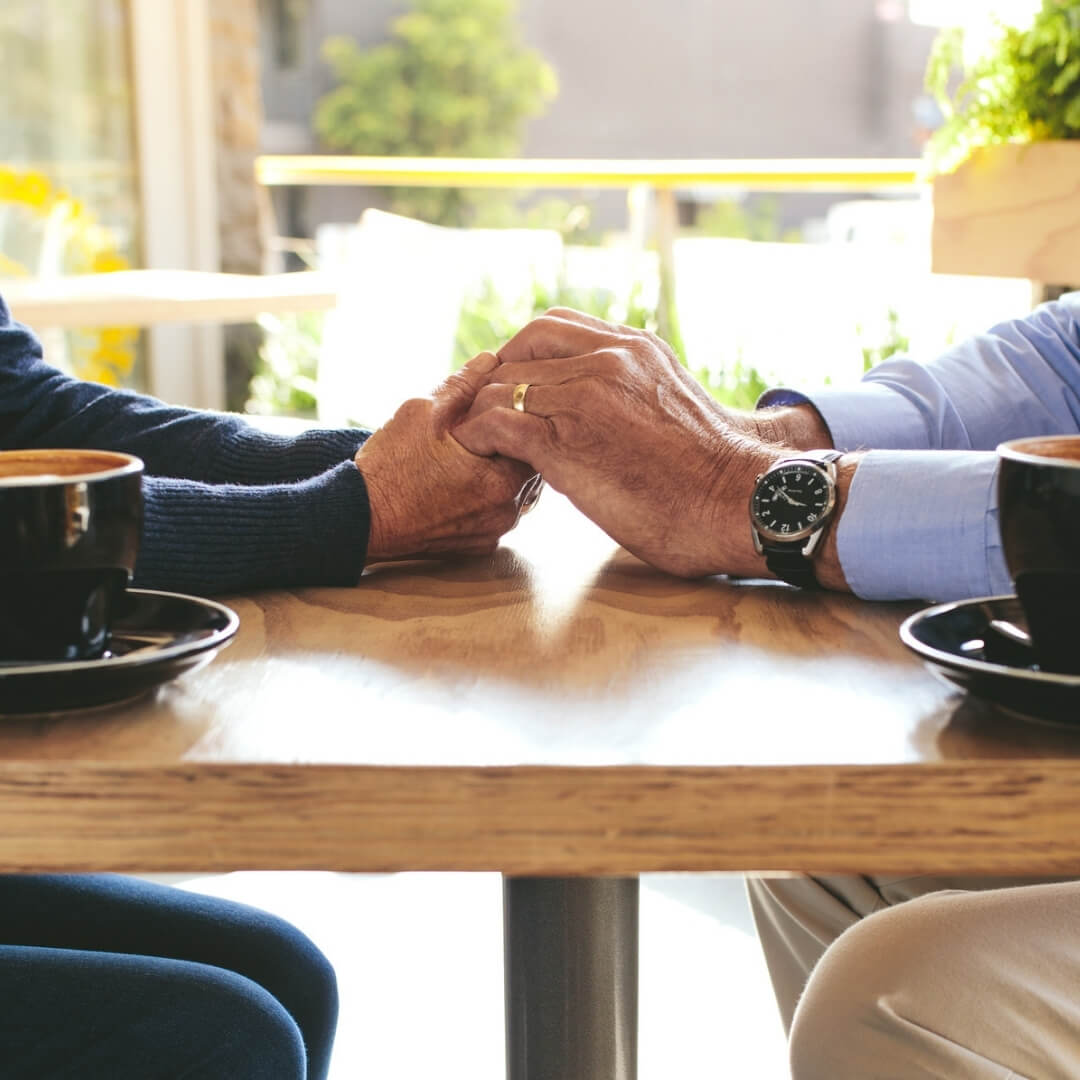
x=951 y=985
x=850 y=1013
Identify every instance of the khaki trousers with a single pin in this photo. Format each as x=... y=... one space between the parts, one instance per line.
x=898 y=978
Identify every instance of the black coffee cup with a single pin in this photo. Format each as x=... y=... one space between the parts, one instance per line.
x=69 y=532
x=1039 y=516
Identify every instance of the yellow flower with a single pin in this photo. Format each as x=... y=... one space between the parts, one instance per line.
x=117 y=336
x=35 y=191
x=98 y=355
x=106 y=262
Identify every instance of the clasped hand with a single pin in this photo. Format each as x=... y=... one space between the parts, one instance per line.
x=613 y=421
x=427 y=494
x=617 y=424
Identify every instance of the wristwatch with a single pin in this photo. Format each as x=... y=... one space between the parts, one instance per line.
x=791 y=505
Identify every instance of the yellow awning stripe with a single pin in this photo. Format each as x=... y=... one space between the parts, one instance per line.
x=765 y=174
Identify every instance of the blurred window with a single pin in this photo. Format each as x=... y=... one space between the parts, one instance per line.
x=288 y=22
x=68 y=183
x=66 y=98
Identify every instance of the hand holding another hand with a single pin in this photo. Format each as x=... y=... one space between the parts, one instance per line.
x=614 y=421
x=428 y=494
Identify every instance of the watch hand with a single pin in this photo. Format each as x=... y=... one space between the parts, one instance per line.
x=787 y=498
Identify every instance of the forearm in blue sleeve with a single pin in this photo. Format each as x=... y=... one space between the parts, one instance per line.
x=206 y=538
x=42 y=407
x=1022 y=378
x=226 y=507
x=924 y=525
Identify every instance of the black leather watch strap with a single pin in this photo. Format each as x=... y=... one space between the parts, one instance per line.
x=789 y=564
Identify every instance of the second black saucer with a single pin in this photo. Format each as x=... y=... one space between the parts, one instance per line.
x=958 y=642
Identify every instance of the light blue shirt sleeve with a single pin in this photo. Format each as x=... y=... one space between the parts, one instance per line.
x=921 y=516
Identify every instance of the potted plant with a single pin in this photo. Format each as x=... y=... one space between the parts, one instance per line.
x=1006 y=160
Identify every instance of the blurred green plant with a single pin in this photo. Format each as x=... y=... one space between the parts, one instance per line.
x=738 y=386
x=454 y=80
x=488 y=321
x=1025 y=87
x=285 y=380
x=287 y=365
x=758 y=219
x=572 y=220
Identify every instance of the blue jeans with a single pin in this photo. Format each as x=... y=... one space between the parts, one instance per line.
x=110 y=977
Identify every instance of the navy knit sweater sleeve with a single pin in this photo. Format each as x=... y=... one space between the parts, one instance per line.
x=227 y=507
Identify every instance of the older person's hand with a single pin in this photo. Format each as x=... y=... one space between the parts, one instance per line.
x=428 y=494
x=613 y=420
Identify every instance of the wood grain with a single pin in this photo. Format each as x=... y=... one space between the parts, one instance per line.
x=997 y=817
x=557 y=709
x=1011 y=211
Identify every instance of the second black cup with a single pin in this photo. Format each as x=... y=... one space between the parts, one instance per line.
x=1039 y=515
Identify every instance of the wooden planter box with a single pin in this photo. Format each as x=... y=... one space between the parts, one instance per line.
x=1011 y=211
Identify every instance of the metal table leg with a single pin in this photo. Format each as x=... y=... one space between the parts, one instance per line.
x=571 y=978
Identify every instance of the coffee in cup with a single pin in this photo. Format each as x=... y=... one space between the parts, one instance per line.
x=1039 y=516
x=69 y=532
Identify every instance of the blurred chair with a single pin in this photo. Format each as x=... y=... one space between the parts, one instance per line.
x=401 y=286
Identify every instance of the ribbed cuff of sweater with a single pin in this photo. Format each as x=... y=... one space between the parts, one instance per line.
x=212 y=538
x=249 y=456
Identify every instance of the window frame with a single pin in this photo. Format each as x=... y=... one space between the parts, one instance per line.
x=176 y=160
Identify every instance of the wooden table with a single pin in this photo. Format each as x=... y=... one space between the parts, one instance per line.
x=564 y=715
x=153 y=297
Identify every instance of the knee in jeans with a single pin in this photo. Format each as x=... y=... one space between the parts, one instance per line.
x=848 y=1011
x=301 y=977
x=252 y=1034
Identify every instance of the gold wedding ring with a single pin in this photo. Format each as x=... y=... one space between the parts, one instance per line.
x=519 y=396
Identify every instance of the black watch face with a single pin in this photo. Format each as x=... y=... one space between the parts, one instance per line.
x=790 y=502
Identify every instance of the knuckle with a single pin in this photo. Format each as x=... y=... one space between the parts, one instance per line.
x=653 y=338
x=549 y=321
x=661 y=346
x=610 y=362
x=412 y=410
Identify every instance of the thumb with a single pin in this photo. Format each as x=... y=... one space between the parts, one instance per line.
x=456 y=393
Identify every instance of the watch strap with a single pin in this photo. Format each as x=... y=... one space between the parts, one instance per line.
x=818 y=457
x=789 y=564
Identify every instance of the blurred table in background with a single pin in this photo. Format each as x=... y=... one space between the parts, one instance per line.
x=152 y=297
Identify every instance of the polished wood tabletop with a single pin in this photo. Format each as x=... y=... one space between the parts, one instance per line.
x=556 y=709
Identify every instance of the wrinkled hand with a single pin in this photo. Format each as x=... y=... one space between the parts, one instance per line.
x=616 y=423
x=428 y=494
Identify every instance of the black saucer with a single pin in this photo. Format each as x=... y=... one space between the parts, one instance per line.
x=958 y=642
x=155 y=637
